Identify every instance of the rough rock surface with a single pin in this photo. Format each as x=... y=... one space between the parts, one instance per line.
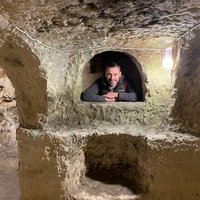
x=61 y=37
x=113 y=163
x=97 y=19
x=185 y=112
x=44 y=48
x=9 y=188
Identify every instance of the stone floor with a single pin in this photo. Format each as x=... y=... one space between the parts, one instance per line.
x=98 y=190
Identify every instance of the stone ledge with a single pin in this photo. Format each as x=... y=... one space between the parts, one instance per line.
x=72 y=164
x=120 y=113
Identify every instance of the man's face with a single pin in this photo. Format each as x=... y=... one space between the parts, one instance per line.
x=113 y=75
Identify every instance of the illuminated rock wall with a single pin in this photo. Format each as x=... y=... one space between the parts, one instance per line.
x=186 y=110
x=44 y=48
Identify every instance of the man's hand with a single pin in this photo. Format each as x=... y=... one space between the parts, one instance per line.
x=111 y=96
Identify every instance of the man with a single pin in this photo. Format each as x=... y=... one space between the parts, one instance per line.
x=112 y=86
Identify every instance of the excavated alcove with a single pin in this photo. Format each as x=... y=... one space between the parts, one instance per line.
x=147 y=65
x=9 y=188
x=117 y=161
x=83 y=148
x=130 y=67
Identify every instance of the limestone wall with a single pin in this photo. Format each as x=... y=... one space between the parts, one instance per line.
x=44 y=47
x=112 y=162
x=55 y=82
x=23 y=69
x=70 y=110
x=61 y=37
x=55 y=44
x=186 y=110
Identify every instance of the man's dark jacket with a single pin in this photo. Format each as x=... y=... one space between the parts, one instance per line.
x=101 y=86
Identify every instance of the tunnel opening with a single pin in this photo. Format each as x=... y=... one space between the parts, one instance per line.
x=117 y=162
x=130 y=68
x=23 y=97
x=23 y=69
x=9 y=121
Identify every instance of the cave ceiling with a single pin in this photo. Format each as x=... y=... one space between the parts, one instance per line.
x=76 y=23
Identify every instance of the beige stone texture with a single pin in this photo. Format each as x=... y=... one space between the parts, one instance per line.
x=74 y=150
x=113 y=162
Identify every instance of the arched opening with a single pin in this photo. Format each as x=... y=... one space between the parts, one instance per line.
x=24 y=89
x=23 y=69
x=130 y=67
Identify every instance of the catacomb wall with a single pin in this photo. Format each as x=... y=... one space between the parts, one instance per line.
x=56 y=153
x=185 y=112
x=153 y=110
x=23 y=69
x=111 y=162
x=43 y=50
x=9 y=188
x=56 y=80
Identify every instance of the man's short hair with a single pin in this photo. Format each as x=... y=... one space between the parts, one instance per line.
x=112 y=64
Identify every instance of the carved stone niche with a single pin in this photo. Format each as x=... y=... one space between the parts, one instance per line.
x=93 y=113
x=112 y=163
x=130 y=68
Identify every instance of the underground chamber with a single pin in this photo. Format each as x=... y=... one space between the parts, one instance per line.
x=115 y=165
